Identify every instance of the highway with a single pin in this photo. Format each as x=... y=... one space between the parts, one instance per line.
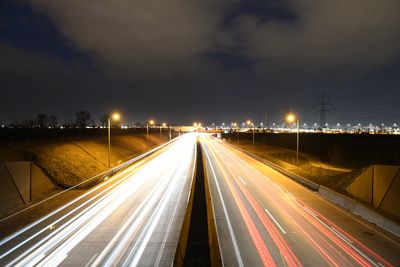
x=133 y=218
x=265 y=219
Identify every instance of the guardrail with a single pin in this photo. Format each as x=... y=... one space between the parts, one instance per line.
x=313 y=186
x=127 y=163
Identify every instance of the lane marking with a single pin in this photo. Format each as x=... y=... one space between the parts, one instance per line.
x=91 y=260
x=276 y=222
x=241 y=179
x=344 y=238
x=311 y=212
x=337 y=234
x=83 y=223
x=235 y=245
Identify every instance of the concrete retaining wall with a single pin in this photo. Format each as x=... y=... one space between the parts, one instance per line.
x=10 y=197
x=21 y=182
x=379 y=186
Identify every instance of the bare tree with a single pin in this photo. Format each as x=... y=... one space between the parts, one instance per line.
x=82 y=118
x=41 y=120
x=28 y=123
x=104 y=120
x=53 y=121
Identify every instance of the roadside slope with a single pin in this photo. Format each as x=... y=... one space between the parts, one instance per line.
x=69 y=162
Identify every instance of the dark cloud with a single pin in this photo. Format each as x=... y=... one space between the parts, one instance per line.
x=157 y=37
x=162 y=37
x=211 y=60
x=328 y=38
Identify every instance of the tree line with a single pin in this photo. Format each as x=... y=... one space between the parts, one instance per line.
x=83 y=119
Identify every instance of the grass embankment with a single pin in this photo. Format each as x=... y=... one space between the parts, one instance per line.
x=335 y=177
x=69 y=162
x=332 y=160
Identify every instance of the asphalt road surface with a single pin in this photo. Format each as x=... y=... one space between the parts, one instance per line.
x=134 y=218
x=265 y=219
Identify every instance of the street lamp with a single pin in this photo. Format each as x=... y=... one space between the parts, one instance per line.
x=115 y=117
x=151 y=122
x=291 y=118
x=249 y=122
x=163 y=125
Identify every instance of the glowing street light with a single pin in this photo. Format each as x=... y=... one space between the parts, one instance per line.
x=291 y=118
x=151 y=122
x=163 y=125
x=249 y=122
x=237 y=128
x=115 y=117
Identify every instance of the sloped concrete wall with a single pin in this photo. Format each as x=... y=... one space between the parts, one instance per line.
x=20 y=183
x=391 y=202
x=20 y=172
x=41 y=184
x=361 y=188
x=379 y=186
x=9 y=194
x=383 y=177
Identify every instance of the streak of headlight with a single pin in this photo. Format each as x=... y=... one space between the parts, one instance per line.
x=134 y=221
x=84 y=223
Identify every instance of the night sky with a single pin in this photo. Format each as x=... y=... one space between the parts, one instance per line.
x=212 y=61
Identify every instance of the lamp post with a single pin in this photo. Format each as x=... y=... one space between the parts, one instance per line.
x=114 y=117
x=249 y=122
x=234 y=128
x=292 y=118
x=161 y=127
x=151 y=122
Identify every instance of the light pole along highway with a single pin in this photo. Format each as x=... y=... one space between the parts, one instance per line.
x=151 y=122
x=115 y=117
x=291 y=118
x=249 y=122
x=163 y=125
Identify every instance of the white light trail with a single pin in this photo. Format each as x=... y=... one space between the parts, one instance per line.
x=164 y=173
